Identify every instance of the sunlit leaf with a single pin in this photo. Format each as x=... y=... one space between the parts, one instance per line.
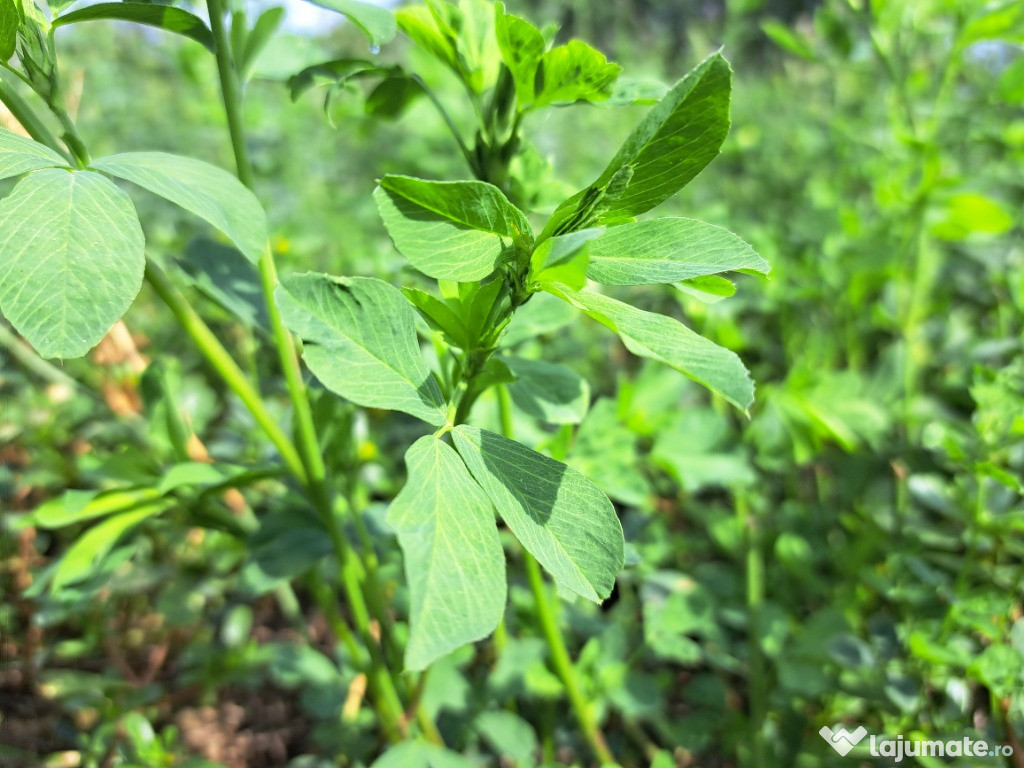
x=71 y=259
x=454 y=563
x=359 y=339
x=167 y=17
x=211 y=193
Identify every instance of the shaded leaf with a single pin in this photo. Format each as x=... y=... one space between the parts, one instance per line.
x=227 y=277
x=392 y=96
x=440 y=316
x=670 y=146
x=561 y=517
x=543 y=314
x=521 y=45
x=547 y=391
x=10 y=20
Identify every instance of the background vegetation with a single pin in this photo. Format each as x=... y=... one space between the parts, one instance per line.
x=854 y=553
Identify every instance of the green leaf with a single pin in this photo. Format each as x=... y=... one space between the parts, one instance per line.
x=211 y=193
x=574 y=72
x=454 y=563
x=561 y=517
x=10 y=20
x=694 y=449
x=378 y=24
x=969 y=213
x=666 y=251
x=78 y=506
x=93 y=546
x=562 y=249
x=288 y=543
x=547 y=391
x=360 y=342
x=605 y=449
x=521 y=45
x=787 y=39
x=335 y=72
x=563 y=259
x=1002 y=23
x=662 y=338
x=20 y=155
x=226 y=276
x=419 y=754
x=197 y=473
x=460 y=36
x=166 y=17
x=677 y=139
x=709 y=289
x=512 y=737
x=440 y=316
x=451 y=230
x=71 y=259
x=262 y=31
x=421 y=26
x=392 y=96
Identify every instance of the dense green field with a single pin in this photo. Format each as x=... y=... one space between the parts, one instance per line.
x=211 y=555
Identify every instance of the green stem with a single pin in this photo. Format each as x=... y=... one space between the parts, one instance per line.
x=452 y=128
x=563 y=663
x=33 y=363
x=29 y=120
x=325 y=598
x=224 y=365
x=757 y=687
x=231 y=91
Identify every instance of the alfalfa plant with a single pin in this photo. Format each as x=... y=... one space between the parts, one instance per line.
x=72 y=260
